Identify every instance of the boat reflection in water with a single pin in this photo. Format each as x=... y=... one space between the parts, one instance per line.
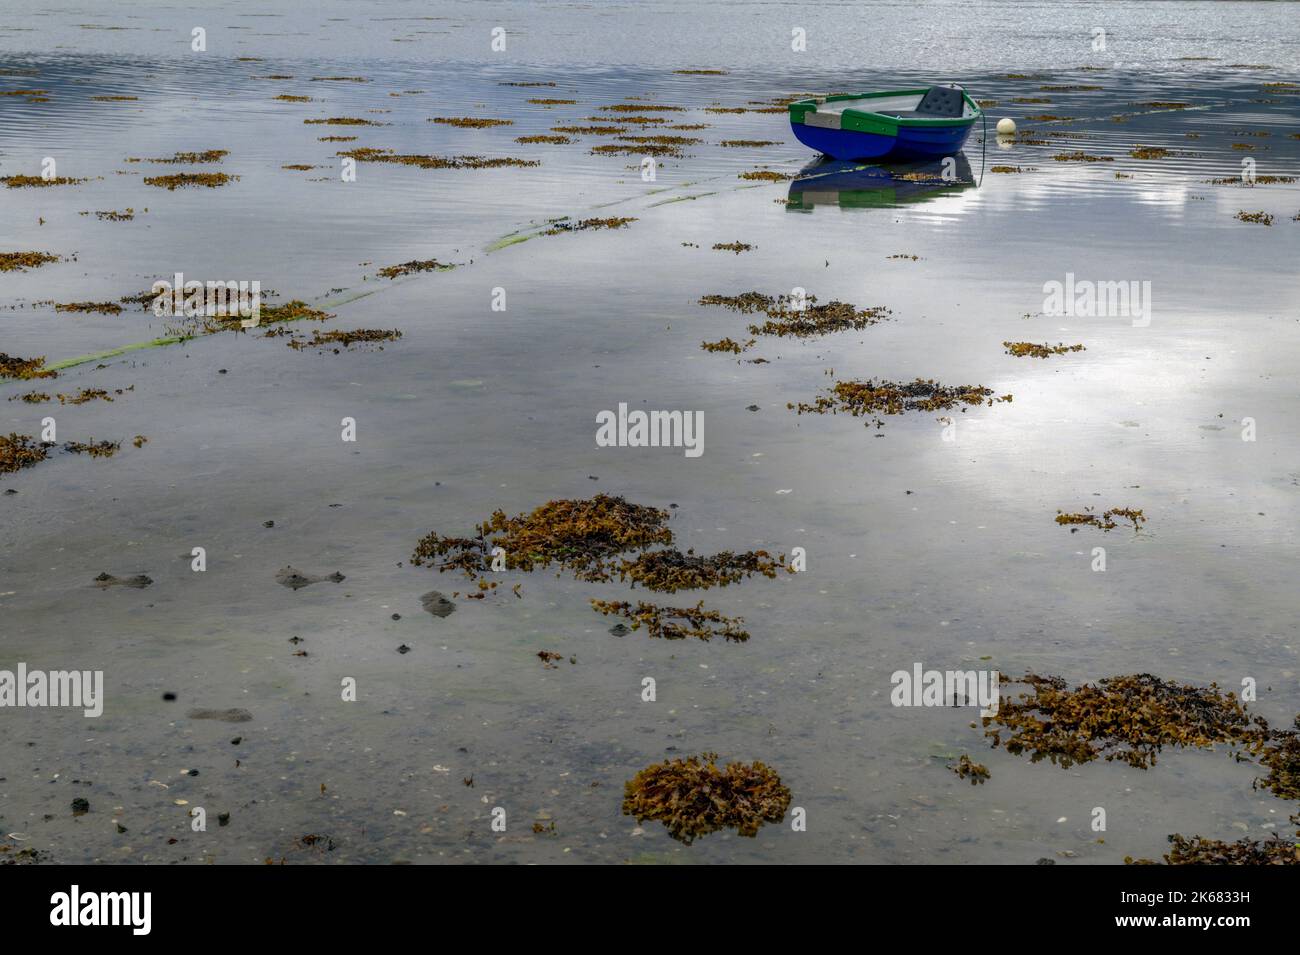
x=855 y=185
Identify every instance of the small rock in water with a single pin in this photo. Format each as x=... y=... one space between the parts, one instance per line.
x=80 y=806
x=403 y=649
x=106 y=580
x=437 y=604
x=620 y=630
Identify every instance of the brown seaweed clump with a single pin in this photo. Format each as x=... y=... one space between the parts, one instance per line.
x=205 y=156
x=563 y=225
x=1256 y=181
x=642 y=108
x=369 y=154
x=346 y=338
x=747 y=143
x=546 y=101
x=25 y=368
x=590 y=130
x=1079 y=156
x=728 y=345
x=286 y=98
x=18 y=451
x=342 y=121
x=787 y=318
x=578 y=535
x=1031 y=350
x=737 y=247
x=31 y=397
x=96 y=449
x=676 y=623
x=1282 y=757
x=27 y=182
x=210 y=180
x=1258 y=218
x=1150 y=152
x=104 y=308
x=467 y=122
x=1106 y=520
x=1127 y=718
x=543 y=138
x=765 y=175
x=966 y=768
x=85 y=395
x=874 y=398
x=692 y=797
x=414 y=266
x=641 y=149
x=668 y=571
x=21 y=261
x=1201 y=851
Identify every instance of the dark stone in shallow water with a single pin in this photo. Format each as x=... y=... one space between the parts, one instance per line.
x=139 y=581
x=80 y=806
x=232 y=715
x=437 y=604
x=620 y=630
x=296 y=579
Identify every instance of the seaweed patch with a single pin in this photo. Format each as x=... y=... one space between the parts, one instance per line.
x=1105 y=521
x=18 y=451
x=1257 y=218
x=21 y=261
x=466 y=122
x=1032 y=350
x=578 y=535
x=1125 y=718
x=1201 y=851
x=788 y=317
x=875 y=398
x=29 y=182
x=103 y=308
x=413 y=267
x=12 y=366
x=670 y=570
x=692 y=797
x=210 y=180
x=368 y=154
x=968 y=769
x=560 y=226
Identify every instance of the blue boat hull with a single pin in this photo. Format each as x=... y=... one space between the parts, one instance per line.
x=912 y=142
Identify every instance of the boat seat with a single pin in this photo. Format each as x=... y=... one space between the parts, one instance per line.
x=940 y=101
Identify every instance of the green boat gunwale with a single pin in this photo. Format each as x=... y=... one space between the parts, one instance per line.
x=865 y=121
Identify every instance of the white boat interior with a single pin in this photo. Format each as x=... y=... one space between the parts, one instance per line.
x=939 y=102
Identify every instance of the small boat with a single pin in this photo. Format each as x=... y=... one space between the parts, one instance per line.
x=920 y=123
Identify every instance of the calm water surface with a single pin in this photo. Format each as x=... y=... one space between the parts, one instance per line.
x=920 y=549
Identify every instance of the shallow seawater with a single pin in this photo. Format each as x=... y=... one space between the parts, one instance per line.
x=920 y=548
